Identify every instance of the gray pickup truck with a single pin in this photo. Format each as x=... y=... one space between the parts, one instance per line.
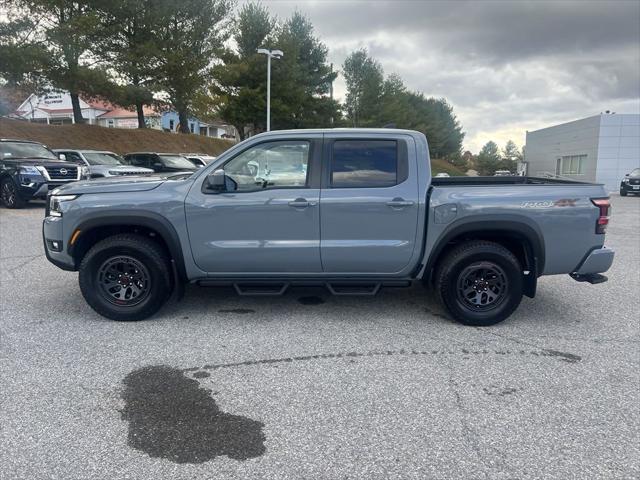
x=352 y=210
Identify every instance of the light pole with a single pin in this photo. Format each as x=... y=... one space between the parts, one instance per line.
x=269 y=54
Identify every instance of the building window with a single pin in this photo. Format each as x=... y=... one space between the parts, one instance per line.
x=171 y=125
x=191 y=127
x=573 y=164
x=111 y=124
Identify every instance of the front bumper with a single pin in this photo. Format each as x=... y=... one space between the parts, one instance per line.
x=599 y=260
x=37 y=189
x=52 y=231
x=629 y=188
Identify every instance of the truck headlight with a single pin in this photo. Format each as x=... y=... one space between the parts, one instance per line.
x=55 y=203
x=626 y=180
x=85 y=172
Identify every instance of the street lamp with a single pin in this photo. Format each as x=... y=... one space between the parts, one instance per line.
x=269 y=54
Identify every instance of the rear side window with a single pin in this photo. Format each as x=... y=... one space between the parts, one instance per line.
x=364 y=163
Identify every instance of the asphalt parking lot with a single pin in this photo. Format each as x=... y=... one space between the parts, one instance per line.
x=309 y=386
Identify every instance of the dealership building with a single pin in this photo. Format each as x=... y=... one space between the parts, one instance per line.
x=601 y=149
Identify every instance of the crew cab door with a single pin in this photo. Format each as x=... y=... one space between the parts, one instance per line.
x=369 y=203
x=267 y=220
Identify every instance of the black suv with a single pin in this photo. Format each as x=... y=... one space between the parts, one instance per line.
x=160 y=162
x=29 y=170
x=630 y=183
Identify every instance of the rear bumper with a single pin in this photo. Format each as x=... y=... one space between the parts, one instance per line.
x=598 y=261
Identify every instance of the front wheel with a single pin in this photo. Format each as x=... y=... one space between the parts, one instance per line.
x=479 y=283
x=125 y=277
x=9 y=194
x=623 y=192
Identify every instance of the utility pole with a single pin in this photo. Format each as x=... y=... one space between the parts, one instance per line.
x=269 y=54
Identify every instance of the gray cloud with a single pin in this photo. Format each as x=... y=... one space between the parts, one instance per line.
x=505 y=66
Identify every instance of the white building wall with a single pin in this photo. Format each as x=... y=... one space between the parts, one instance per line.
x=618 y=148
x=544 y=147
x=611 y=143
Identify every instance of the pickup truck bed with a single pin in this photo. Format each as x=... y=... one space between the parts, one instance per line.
x=352 y=209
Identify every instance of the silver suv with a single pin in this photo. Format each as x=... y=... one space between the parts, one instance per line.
x=102 y=163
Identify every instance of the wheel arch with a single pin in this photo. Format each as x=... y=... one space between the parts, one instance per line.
x=520 y=236
x=94 y=229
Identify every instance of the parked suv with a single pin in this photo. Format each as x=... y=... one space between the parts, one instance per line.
x=160 y=162
x=630 y=183
x=29 y=170
x=102 y=163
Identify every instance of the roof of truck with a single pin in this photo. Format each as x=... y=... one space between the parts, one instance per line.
x=342 y=130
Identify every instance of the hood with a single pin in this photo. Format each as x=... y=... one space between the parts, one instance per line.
x=113 y=185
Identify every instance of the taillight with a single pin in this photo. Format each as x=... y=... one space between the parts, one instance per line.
x=603 y=219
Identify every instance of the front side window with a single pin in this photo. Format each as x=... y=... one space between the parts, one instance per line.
x=270 y=165
x=573 y=164
x=364 y=163
x=73 y=157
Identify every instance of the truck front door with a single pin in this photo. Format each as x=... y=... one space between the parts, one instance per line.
x=369 y=204
x=267 y=220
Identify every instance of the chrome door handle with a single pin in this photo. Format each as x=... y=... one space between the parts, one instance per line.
x=301 y=203
x=399 y=203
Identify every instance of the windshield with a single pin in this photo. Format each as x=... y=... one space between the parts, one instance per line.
x=635 y=173
x=26 y=150
x=99 y=158
x=176 y=161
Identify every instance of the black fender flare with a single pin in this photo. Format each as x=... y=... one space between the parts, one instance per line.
x=517 y=225
x=133 y=218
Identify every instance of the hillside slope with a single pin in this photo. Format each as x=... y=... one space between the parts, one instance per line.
x=117 y=140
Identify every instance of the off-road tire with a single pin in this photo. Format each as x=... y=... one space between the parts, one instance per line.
x=140 y=249
x=466 y=256
x=12 y=200
x=623 y=192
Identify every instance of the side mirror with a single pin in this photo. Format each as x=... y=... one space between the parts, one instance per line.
x=626 y=175
x=62 y=156
x=157 y=166
x=216 y=181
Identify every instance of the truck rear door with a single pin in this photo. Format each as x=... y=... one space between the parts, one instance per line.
x=368 y=203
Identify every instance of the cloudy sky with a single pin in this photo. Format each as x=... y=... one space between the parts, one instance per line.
x=506 y=67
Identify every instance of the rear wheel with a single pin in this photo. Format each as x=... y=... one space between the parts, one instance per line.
x=479 y=283
x=9 y=194
x=125 y=277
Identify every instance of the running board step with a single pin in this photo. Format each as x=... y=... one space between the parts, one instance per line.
x=260 y=289
x=353 y=289
x=592 y=278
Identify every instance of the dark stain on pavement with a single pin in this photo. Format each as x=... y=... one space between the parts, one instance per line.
x=201 y=375
x=567 y=357
x=241 y=311
x=171 y=417
x=310 y=300
x=495 y=390
x=463 y=352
